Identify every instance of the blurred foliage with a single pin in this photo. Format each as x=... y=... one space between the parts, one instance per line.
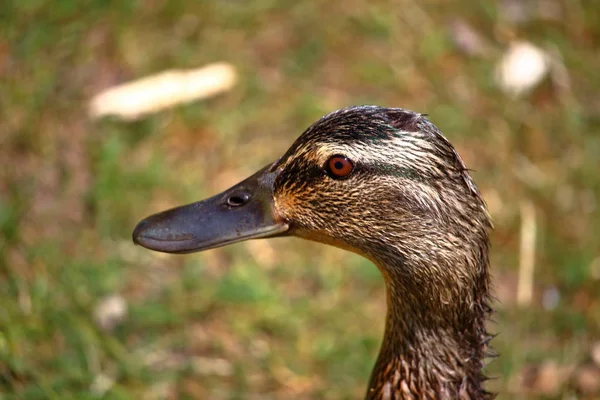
x=282 y=318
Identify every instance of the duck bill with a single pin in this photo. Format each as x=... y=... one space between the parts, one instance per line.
x=243 y=212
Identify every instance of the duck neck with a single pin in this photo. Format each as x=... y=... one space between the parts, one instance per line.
x=435 y=338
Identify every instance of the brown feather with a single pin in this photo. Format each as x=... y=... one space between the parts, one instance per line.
x=412 y=208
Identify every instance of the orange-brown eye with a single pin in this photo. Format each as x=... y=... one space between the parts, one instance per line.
x=339 y=167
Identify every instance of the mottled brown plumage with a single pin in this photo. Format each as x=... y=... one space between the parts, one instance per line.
x=409 y=206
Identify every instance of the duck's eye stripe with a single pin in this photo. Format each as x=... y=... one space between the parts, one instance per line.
x=338 y=166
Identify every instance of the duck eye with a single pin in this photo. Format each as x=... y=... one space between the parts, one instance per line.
x=339 y=167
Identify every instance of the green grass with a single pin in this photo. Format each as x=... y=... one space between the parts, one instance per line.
x=283 y=318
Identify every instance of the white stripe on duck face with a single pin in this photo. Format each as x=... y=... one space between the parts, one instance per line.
x=407 y=150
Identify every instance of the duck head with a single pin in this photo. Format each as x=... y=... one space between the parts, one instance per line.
x=382 y=182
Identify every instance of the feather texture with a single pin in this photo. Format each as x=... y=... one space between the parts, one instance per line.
x=412 y=208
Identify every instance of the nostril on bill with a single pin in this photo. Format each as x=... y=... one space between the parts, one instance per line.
x=238 y=200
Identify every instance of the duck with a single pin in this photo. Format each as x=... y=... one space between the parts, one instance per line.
x=386 y=184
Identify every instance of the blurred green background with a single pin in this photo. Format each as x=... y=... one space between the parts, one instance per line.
x=86 y=314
